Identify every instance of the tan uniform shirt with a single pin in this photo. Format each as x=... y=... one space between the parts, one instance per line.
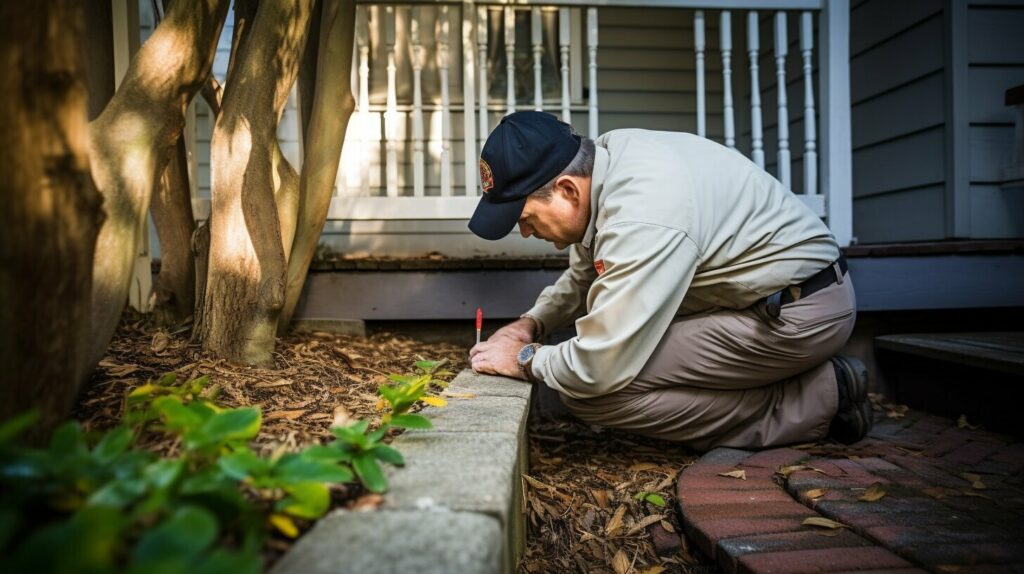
x=679 y=225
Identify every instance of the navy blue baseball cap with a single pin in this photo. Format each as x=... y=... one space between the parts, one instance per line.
x=525 y=151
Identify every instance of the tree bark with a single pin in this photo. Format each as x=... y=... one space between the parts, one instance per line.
x=52 y=211
x=132 y=136
x=247 y=264
x=173 y=299
x=332 y=108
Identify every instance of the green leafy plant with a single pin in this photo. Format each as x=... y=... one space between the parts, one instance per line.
x=653 y=498
x=407 y=390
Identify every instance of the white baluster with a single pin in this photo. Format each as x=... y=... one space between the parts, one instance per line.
x=362 y=28
x=391 y=115
x=446 y=117
x=725 y=35
x=757 y=145
x=481 y=37
x=510 y=57
x=698 y=45
x=810 y=136
x=592 y=47
x=537 y=36
x=564 y=38
x=419 y=170
x=470 y=173
x=781 y=49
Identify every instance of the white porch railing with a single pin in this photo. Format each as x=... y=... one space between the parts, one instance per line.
x=415 y=177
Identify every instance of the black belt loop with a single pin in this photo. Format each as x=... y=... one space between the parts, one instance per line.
x=832 y=274
x=773 y=304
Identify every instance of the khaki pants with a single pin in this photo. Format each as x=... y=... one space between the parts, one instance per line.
x=737 y=378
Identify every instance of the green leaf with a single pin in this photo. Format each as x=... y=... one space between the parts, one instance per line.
x=119 y=493
x=163 y=473
x=411 y=421
x=426 y=365
x=243 y=464
x=293 y=469
x=176 y=415
x=167 y=380
x=655 y=499
x=184 y=535
x=113 y=443
x=324 y=453
x=402 y=378
x=222 y=561
x=68 y=440
x=11 y=428
x=229 y=425
x=370 y=473
x=305 y=500
x=388 y=454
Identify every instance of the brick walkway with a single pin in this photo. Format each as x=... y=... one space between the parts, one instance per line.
x=951 y=500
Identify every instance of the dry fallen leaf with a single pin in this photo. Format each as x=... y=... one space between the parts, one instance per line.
x=974 y=479
x=342 y=417
x=656 y=569
x=873 y=493
x=290 y=415
x=815 y=493
x=641 y=466
x=644 y=523
x=121 y=370
x=740 y=474
x=822 y=522
x=938 y=492
x=620 y=563
x=600 y=497
x=788 y=470
x=668 y=526
x=277 y=383
x=459 y=395
x=615 y=522
x=160 y=342
x=963 y=424
x=367 y=502
x=976 y=494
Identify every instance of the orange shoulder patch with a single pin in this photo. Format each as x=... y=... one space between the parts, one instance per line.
x=599 y=266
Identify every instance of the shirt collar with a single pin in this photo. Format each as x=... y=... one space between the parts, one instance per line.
x=601 y=159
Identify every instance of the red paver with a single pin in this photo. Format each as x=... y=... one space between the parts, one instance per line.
x=931 y=516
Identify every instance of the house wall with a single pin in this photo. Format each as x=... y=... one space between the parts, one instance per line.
x=915 y=99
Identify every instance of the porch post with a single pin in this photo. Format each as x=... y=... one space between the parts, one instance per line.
x=836 y=146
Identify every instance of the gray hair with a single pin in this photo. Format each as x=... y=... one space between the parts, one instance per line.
x=581 y=166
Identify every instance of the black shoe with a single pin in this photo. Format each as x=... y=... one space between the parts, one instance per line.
x=854 y=417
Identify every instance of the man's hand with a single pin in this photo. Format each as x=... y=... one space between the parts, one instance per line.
x=522 y=331
x=497 y=356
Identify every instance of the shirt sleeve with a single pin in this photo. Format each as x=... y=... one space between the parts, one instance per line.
x=647 y=270
x=563 y=301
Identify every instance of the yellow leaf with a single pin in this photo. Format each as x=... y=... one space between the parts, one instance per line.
x=381 y=404
x=284 y=524
x=434 y=401
x=620 y=563
x=815 y=493
x=873 y=493
x=290 y=415
x=740 y=474
x=615 y=523
x=788 y=470
x=460 y=395
x=822 y=522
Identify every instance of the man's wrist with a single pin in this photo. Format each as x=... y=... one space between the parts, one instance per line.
x=525 y=361
x=538 y=328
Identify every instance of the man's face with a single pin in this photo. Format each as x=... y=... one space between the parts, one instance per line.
x=563 y=218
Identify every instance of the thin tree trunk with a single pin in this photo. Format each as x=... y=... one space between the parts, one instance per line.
x=174 y=289
x=52 y=211
x=247 y=265
x=132 y=136
x=332 y=108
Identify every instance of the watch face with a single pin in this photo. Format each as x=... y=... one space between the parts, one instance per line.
x=525 y=354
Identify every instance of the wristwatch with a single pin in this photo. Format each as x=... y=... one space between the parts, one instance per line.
x=525 y=361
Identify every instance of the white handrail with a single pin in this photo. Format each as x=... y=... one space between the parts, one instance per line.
x=756 y=141
x=537 y=37
x=725 y=39
x=419 y=168
x=510 y=57
x=446 y=117
x=564 y=41
x=781 y=49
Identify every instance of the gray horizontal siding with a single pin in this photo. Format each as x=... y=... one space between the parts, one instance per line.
x=907 y=162
x=910 y=215
x=909 y=56
x=879 y=20
x=885 y=117
x=996 y=213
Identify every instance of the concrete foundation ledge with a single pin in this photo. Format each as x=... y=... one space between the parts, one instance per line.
x=456 y=504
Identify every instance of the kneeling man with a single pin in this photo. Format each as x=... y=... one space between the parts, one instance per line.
x=709 y=301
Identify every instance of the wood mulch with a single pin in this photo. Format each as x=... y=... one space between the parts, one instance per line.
x=586 y=506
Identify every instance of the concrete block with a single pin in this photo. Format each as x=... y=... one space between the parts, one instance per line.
x=468 y=382
x=381 y=542
x=480 y=414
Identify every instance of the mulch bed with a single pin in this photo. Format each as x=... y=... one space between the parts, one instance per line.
x=585 y=503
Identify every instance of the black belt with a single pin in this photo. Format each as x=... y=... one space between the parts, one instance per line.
x=817 y=282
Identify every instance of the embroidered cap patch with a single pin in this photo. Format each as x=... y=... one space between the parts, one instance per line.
x=599 y=266
x=486 y=177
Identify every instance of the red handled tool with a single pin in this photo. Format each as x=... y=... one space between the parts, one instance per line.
x=479 y=323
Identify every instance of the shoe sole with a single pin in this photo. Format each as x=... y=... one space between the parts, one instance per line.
x=857 y=374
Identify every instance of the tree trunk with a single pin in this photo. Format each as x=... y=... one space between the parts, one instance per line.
x=131 y=138
x=332 y=107
x=174 y=289
x=247 y=264
x=52 y=210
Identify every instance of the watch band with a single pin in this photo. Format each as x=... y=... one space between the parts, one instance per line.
x=526 y=368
